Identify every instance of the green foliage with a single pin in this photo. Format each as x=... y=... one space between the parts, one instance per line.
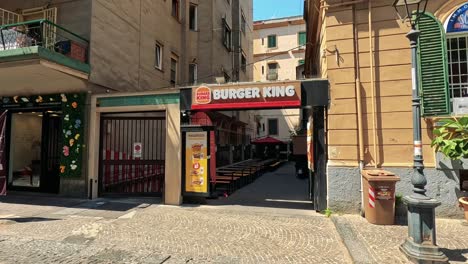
x=328 y=212
x=452 y=138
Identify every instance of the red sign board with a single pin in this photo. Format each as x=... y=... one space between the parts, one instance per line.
x=247 y=96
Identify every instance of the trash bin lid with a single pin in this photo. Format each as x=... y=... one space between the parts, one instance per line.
x=379 y=175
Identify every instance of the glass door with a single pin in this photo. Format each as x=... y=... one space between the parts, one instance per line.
x=25 y=149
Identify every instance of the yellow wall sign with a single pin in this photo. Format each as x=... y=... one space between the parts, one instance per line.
x=196 y=162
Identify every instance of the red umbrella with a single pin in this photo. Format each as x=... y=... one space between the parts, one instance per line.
x=267 y=140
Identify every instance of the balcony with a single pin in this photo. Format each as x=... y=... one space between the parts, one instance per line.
x=40 y=57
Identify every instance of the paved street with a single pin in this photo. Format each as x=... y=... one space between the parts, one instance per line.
x=126 y=231
x=268 y=221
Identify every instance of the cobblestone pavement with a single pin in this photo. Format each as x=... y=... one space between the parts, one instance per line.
x=90 y=232
x=380 y=244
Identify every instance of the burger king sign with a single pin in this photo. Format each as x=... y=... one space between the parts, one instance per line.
x=203 y=95
x=247 y=96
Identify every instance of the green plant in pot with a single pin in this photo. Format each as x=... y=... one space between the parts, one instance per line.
x=451 y=139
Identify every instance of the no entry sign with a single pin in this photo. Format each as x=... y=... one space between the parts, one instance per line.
x=137 y=148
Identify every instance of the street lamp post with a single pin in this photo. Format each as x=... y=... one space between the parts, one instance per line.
x=420 y=246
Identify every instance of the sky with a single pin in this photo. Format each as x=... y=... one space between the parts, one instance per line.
x=268 y=9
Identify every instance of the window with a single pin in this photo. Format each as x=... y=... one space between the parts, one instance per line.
x=301 y=62
x=272 y=41
x=301 y=39
x=175 y=9
x=273 y=127
x=272 y=71
x=158 y=50
x=263 y=69
x=243 y=62
x=457 y=51
x=173 y=71
x=193 y=68
x=193 y=17
x=243 y=22
x=226 y=35
x=263 y=41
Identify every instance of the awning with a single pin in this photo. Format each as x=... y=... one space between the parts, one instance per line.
x=267 y=140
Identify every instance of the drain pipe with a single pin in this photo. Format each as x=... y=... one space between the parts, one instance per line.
x=371 y=60
x=357 y=75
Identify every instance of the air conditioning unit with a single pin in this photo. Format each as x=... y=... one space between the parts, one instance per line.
x=460 y=106
x=272 y=76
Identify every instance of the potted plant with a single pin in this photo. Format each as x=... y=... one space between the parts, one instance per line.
x=451 y=139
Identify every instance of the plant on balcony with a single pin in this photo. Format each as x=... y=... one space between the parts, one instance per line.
x=451 y=139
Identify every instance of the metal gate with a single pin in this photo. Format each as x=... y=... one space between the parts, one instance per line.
x=132 y=152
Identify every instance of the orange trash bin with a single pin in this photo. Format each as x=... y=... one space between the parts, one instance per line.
x=379 y=196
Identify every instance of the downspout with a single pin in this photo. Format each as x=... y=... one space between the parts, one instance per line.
x=357 y=75
x=371 y=60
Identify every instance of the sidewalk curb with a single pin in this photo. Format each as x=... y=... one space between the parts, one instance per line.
x=356 y=247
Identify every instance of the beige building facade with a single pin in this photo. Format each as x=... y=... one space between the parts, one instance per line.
x=76 y=60
x=361 y=48
x=279 y=47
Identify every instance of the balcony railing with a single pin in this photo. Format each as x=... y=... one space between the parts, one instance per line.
x=45 y=34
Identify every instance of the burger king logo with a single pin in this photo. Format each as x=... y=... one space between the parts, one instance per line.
x=203 y=95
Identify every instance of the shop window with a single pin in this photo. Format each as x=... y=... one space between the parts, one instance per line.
x=273 y=127
x=158 y=50
x=272 y=41
x=25 y=149
x=193 y=17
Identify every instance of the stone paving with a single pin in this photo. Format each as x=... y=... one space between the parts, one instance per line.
x=369 y=243
x=153 y=233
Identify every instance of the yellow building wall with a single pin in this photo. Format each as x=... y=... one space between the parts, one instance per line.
x=392 y=78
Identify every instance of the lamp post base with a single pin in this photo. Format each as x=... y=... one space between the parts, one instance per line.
x=420 y=246
x=422 y=254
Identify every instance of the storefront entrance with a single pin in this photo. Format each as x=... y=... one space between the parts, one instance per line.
x=33 y=139
x=204 y=105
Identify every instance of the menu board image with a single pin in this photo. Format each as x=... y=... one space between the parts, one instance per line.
x=196 y=162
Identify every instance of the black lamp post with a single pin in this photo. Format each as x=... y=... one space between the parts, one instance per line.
x=420 y=246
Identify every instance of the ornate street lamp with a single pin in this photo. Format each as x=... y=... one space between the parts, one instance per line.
x=420 y=246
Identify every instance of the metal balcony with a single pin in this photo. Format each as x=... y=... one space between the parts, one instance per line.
x=39 y=56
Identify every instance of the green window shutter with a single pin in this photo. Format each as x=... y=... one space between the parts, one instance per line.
x=302 y=38
x=433 y=67
x=272 y=41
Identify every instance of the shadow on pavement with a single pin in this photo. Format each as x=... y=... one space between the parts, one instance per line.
x=276 y=189
x=455 y=254
x=29 y=219
x=50 y=200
